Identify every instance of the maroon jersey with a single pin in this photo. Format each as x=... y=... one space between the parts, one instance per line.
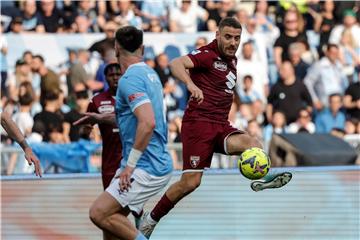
x=112 y=149
x=215 y=75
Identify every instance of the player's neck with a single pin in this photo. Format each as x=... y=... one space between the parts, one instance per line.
x=125 y=62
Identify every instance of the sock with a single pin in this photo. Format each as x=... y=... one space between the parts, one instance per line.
x=162 y=208
x=140 y=236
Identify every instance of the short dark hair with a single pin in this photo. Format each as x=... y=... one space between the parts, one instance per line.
x=229 y=22
x=39 y=57
x=130 y=38
x=331 y=45
x=335 y=95
x=109 y=66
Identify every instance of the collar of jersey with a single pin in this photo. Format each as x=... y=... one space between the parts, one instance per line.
x=136 y=64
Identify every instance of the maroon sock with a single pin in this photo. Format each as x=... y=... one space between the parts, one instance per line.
x=162 y=208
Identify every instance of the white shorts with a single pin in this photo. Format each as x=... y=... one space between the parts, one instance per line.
x=143 y=187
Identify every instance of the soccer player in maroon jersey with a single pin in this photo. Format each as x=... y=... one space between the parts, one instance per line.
x=206 y=129
x=104 y=103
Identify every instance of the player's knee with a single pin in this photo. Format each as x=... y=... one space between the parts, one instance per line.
x=191 y=184
x=96 y=215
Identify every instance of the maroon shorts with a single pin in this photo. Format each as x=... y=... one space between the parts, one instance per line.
x=200 y=140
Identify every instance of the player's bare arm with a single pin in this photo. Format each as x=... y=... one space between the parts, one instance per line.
x=145 y=127
x=179 y=68
x=15 y=133
x=93 y=118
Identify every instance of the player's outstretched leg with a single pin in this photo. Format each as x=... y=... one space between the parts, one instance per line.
x=189 y=182
x=277 y=181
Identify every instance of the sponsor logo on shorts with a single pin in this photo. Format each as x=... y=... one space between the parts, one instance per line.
x=194 y=161
x=220 y=66
x=134 y=96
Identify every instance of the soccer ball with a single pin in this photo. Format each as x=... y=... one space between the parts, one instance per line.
x=254 y=163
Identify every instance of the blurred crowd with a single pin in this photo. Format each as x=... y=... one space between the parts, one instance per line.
x=298 y=65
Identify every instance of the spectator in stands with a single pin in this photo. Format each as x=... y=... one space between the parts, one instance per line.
x=174 y=127
x=51 y=17
x=349 y=54
x=154 y=11
x=3 y=61
x=16 y=25
x=23 y=118
x=225 y=9
x=352 y=126
x=254 y=129
x=299 y=65
x=242 y=16
x=352 y=100
x=349 y=22
x=185 y=18
x=162 y=68
x=258 y=40
x=27 y=57
x=326 y=77
x=324 y=23
x=155 y=26
x=51 y=118
x=49 y=79
x=277 y=125
x=200 y=42
x=293 y=32
x=86 y=9
x=331 y=117
x=22 y=74
x=31 y=18
x=75 y=132
x=126 y=15
x=251 y=101
x=82 y=24
x=100 y=75
x=303 y=123
x=108 y=42
x=288 y=95
x=79 y=79
x=248 y=64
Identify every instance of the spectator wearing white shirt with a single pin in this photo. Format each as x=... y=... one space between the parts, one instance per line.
x=249 y=65
x=303 y=123
x=184 y=19
x=349 y=22
x=326 y=77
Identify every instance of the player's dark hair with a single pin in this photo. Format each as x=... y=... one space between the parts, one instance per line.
x=130 y=38
x=229 y=22
x=109 y=66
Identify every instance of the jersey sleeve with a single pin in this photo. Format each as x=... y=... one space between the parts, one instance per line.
x=91 y=107
x=134 y=92
x=200 y=58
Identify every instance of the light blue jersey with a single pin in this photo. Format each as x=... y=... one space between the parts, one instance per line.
x=139 y=85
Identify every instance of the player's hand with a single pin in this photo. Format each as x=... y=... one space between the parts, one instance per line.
x=196 y=93
x=89 y=118
x=125 y=178
x=31 y=158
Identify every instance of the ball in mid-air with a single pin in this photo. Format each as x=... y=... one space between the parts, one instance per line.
x=254 y=163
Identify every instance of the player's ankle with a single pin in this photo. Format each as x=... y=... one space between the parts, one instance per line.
x=150 y=219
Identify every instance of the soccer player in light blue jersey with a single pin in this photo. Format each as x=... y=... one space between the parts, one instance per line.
x=146 y=165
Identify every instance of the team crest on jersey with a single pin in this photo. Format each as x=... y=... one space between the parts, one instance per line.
x=194 y=161
x=220 y=66
x=106 y=109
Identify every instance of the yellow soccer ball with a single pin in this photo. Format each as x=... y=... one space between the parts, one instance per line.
x=254 y=163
